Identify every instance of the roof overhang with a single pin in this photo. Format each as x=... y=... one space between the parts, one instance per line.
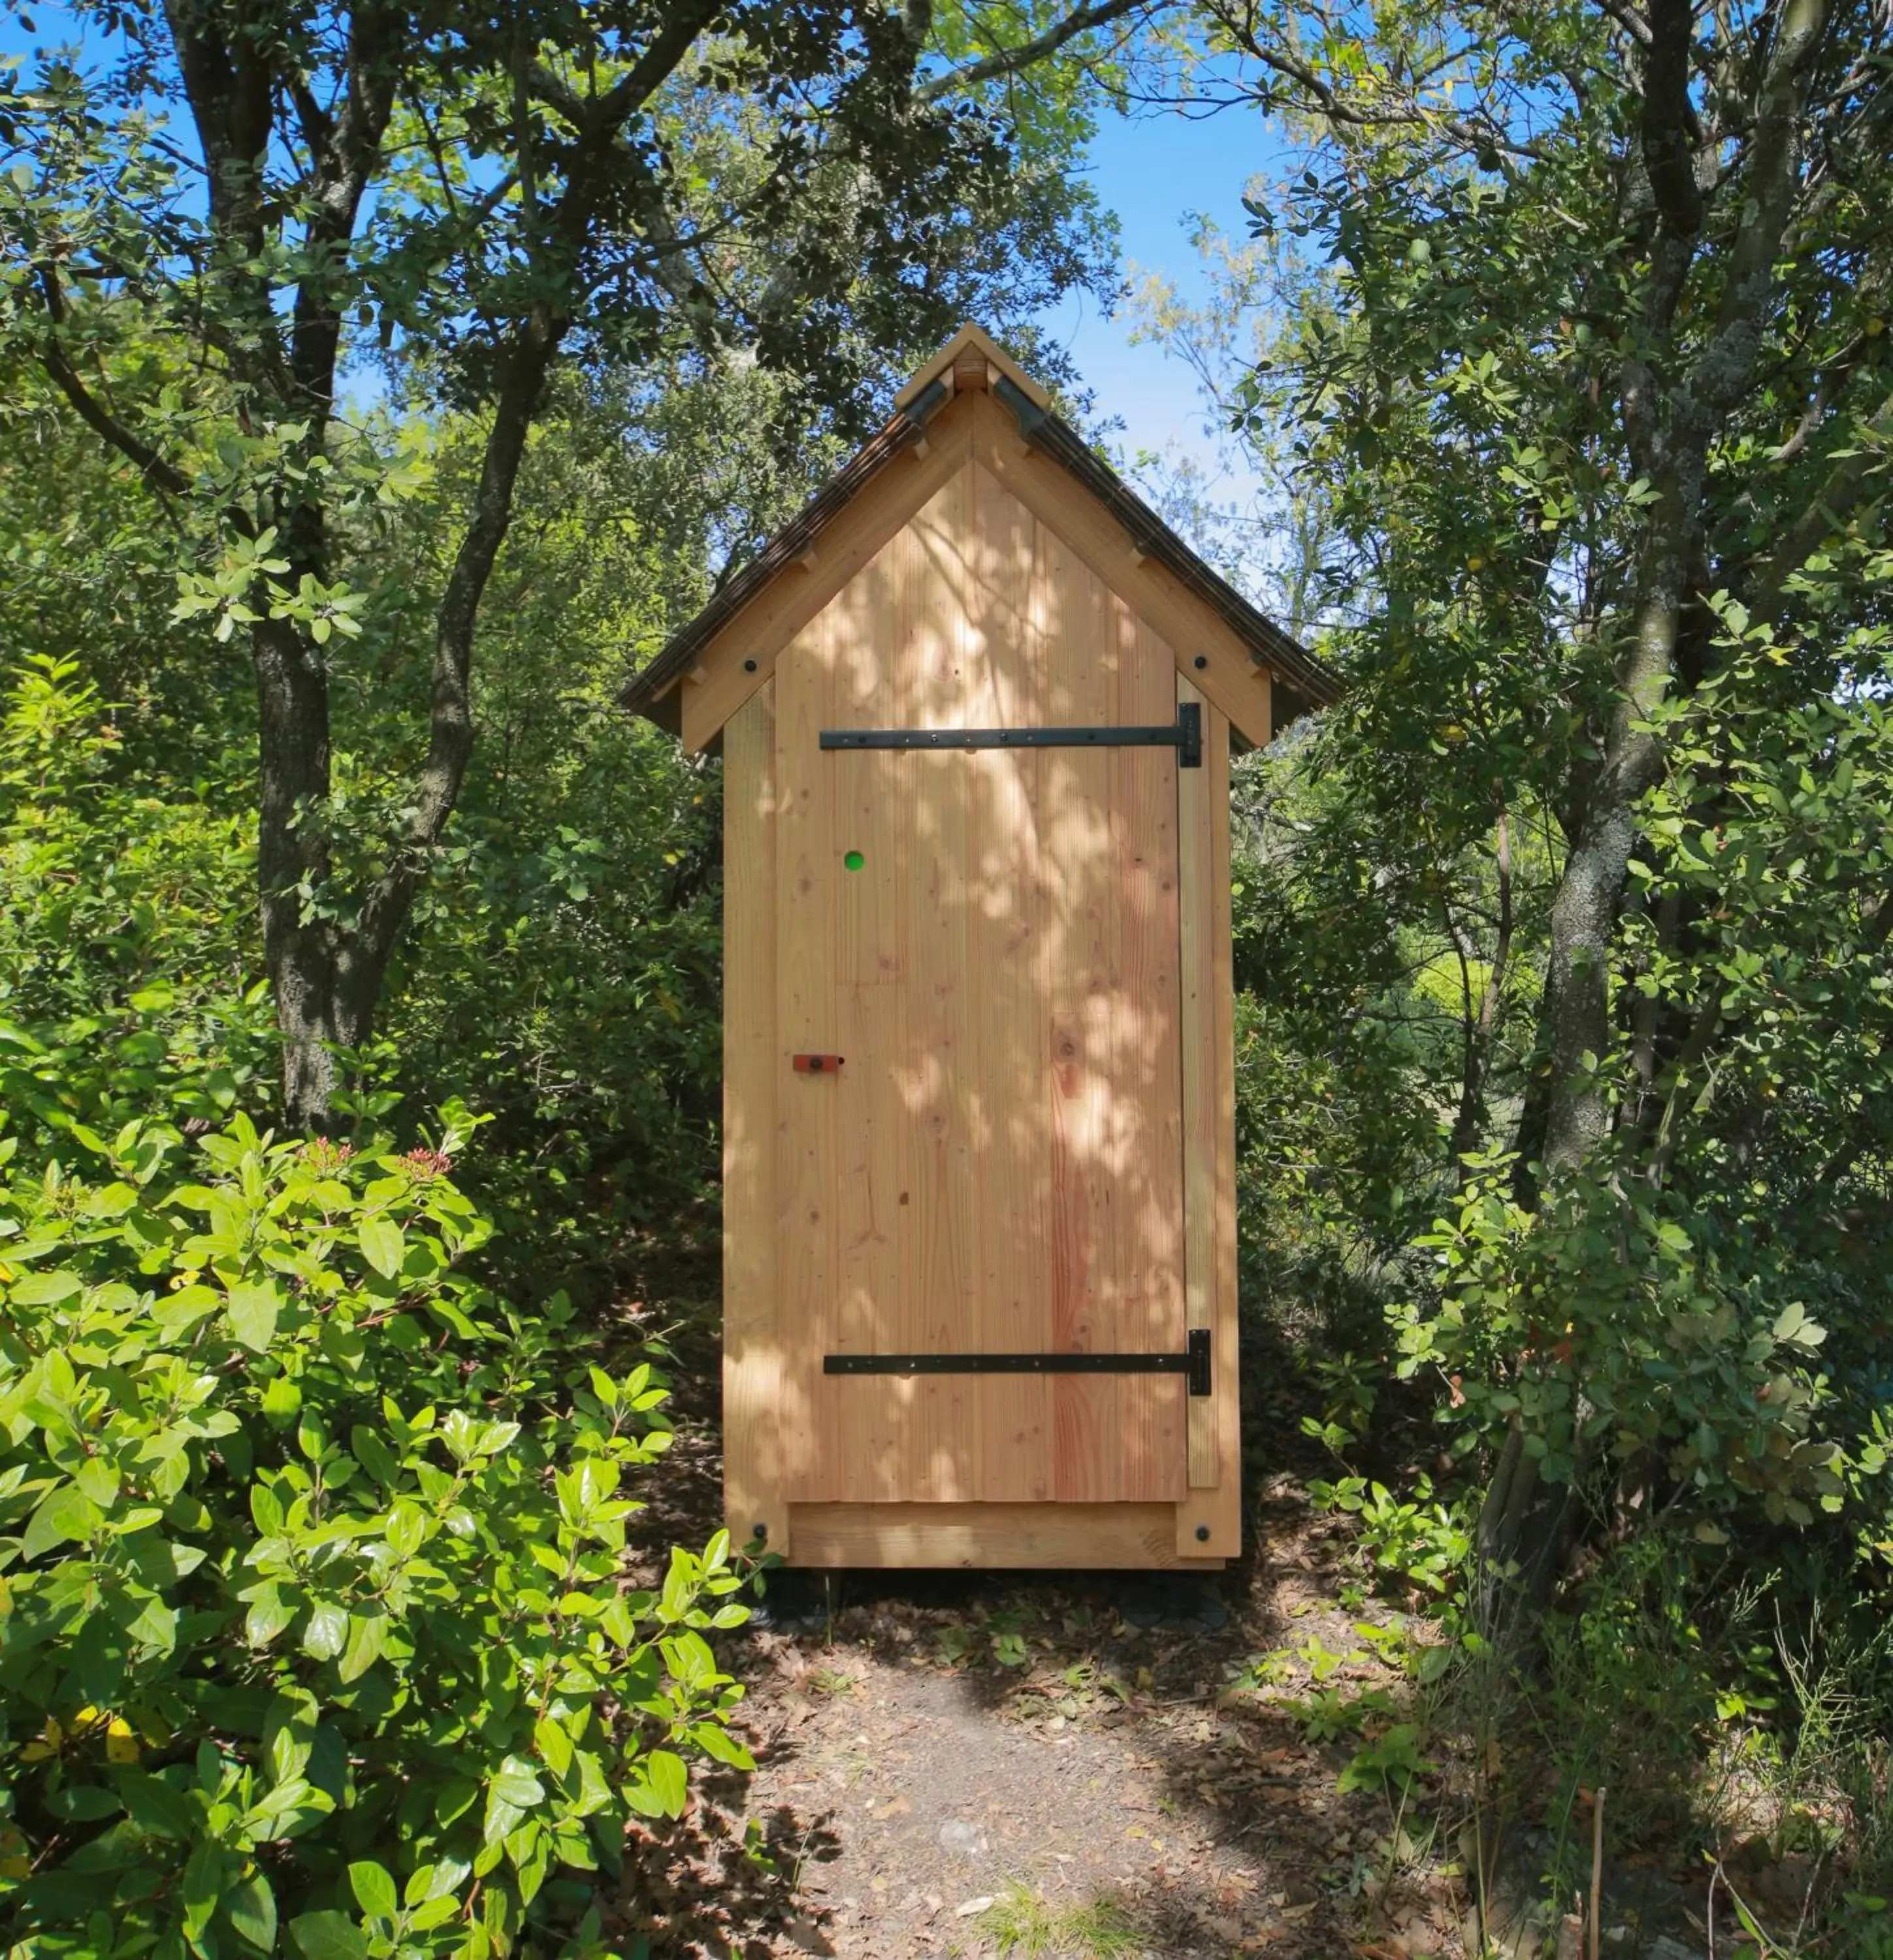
x=972 y=361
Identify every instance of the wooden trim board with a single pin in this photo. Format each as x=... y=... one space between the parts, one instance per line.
x=793 y=597
x=757 y=1375
x=1085 y=1536
x=1214 y=1506
x=1195 y=852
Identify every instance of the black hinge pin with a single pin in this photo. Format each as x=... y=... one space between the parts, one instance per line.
x=1198 y=1348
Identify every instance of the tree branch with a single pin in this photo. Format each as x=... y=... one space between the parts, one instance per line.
x=1823 y=514
x=656 y=66
x=157 y=474
x=1399 y=108
x=1668 y=131
x=1768 y=186
x=363 y=960
x=1028 y=54
x=1627 y=17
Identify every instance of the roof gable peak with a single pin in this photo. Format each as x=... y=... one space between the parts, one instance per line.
x=974 y=354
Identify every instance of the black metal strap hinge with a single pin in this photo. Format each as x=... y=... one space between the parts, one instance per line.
x=1185 y=735
x=1193 y=1362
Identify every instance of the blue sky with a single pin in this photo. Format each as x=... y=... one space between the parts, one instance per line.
x=1155 y=171
x=1158 y=172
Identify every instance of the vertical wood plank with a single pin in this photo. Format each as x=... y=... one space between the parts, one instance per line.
x=871 y=973
x=806 y=1157
x=943 y=1411
x=765 y=1421
x=1195 y=857
x=1217 y=1510
x=1226 y=1531
x=1080 y=662
x=1008 y=951
x=1146 y=1076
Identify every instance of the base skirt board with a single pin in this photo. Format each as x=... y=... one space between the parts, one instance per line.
x=1135 y=1537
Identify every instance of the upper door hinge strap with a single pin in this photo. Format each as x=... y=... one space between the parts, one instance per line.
x=1185 y=735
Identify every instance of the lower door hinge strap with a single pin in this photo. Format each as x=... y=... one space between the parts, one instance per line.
x=1193 y=1363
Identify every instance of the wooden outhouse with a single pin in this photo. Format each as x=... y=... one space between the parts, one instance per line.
x=976 y=705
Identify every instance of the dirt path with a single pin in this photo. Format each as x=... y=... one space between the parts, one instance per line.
x=946 y=1739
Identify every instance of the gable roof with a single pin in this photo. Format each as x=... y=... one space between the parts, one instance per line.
x=1301 y=681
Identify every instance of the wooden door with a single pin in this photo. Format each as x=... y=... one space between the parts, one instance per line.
x=989 y=940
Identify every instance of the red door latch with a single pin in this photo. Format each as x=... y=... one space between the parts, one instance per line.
x=816 y=1065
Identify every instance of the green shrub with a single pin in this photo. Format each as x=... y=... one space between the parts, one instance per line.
x=1421 y=1542
x=316 y=1634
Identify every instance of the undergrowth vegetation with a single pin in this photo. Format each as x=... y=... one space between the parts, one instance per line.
x=315 y=1618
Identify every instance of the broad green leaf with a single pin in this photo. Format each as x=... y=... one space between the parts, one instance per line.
x=374 y=1455
x=46 y=1289
x=373 y=1889
x=405 y=1528
x=66 y=1513
x=82 y=1803
x=253 y=1308
x=689 y=1657
x=289 y=1732
x=269 y=1613
x=328 y=1629
x=517 y=1782
x=157 y=1809
x=367 y=1637
x=383 y=1245
x=328 y=1935
x=281 y=1399
x=714 y=1740
x=669 y=1780
x=251 y=1909
x=202 y=1888
x=554 y=1745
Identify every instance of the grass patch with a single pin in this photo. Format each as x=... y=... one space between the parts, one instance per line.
x=1023 y=1925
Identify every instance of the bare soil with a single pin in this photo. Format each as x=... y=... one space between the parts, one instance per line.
x=938 y=1738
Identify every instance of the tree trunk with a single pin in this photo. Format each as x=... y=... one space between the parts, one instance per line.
x=1584 y=914
x=292 y=862
x=327 y=974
